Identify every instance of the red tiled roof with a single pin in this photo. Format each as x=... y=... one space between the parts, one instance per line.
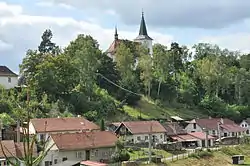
x=144 y=127
x=200 y=135
x=63 y=124
x=212 y=123
x=183 y=138
x=5 y=71
x=113 y=46
x=232 y=128
x=84 y=140
x=93 y=163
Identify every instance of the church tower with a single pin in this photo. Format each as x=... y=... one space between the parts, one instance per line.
x=143 y=36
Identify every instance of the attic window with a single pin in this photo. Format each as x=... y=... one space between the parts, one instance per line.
x=9 y=79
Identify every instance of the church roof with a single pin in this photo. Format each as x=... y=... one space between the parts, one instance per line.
x=143 y=34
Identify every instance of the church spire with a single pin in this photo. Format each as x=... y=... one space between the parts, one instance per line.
x=143 y=28
x=116 y=34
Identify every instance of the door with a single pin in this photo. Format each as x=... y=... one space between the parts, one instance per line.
x=87 y=155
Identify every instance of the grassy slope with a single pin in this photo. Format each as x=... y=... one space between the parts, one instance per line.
x=220 y=158
x=148 y=110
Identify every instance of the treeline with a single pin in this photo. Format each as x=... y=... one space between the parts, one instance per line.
x=81 y=79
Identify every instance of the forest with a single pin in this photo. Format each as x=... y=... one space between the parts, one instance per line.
x=81 y=79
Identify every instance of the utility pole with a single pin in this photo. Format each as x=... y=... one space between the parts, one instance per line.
x=150 y=144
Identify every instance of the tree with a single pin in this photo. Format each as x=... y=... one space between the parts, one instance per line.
x=146 y=66
x=47 y=46
x=161 y=65
x=102 y=125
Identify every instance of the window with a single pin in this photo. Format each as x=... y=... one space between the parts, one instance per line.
x=47 y=163
x=79 y=155
x=50 y=163
x=96 y=153
x=247 y=131
x=213 y=132
x=64 y=158
x=146 y=137
x=194 y=125
x=161 y=136
x=138 y=138
x=9 y=79
x=233 y=134
x=41 y=137
x=55 y=161
x=225 y=134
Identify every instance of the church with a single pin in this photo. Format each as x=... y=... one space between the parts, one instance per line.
x=142 y=38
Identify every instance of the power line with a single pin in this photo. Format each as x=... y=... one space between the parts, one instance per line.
x=119 y=85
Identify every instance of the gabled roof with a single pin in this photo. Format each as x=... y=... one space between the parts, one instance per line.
x=143 y=127
x=212 y=123
x=84 y=140
x=5 y=71
x=174 y=128
x=232 y=128
x=62 y=124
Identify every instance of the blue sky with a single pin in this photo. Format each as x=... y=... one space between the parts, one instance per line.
x=222 y=22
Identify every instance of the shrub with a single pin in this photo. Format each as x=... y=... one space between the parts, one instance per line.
x=120 y=156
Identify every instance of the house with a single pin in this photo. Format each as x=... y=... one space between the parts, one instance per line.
x=12 y=150
x=218 y=127
x=113 y=126
x=72 y=148
x=8 y=79
x=174 y=128
x=246 y=125
x=45 y=126
x=139 y=131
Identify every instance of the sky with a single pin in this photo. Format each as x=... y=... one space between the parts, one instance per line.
x=22 y=22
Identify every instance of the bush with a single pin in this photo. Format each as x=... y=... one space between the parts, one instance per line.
x=120 y=156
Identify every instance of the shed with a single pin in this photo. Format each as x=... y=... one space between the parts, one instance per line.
x=238 y=159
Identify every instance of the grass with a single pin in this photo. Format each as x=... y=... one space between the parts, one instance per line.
x=219 y=158
x=143 y=153
x=148 y=109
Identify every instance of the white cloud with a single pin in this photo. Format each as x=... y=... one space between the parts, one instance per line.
x=236 y=41
x=51 y=4
x=9 y=10
x=21 y=32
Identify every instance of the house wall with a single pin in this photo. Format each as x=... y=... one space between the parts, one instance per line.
x=190 y=128
x=3 y=162
x=56 y=156
x=148 y=44
x=139 y=138
x=6 y=84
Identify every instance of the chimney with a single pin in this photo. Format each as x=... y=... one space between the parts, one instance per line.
x=221 y=121
x=18 y=131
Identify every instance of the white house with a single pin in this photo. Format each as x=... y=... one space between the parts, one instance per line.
x=8 y=79
x=72 y=148
x=218 y=127
x=246 y=125
x=45 y=126
x=139 y=131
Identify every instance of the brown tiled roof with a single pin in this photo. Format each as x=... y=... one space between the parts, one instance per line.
x=232 y=128
x=144 y=127
x=113 y=46
x=8 y=148
x=84 y=140
x=200 y=135
x=20 y=150
x=212 y=123
x=5 y=71
x=174 y=128
x=184 y=138
x=63 y=124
